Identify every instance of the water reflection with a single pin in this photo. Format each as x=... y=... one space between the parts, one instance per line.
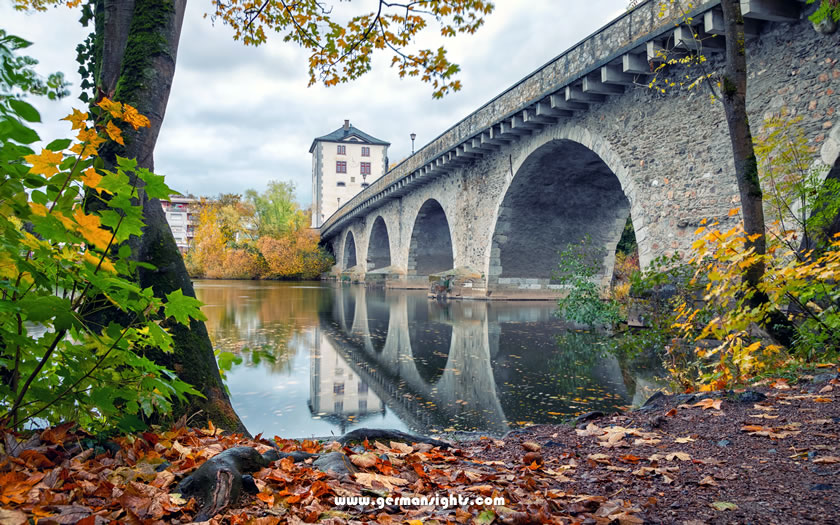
x=394 y=359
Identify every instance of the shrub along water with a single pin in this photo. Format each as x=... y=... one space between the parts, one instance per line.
x=698 y=310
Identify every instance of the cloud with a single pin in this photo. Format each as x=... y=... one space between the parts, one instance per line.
x=241 y=116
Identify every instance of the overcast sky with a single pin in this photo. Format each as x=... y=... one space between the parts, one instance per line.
x=240 y=116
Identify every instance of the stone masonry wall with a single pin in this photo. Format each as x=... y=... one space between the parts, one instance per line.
x=670 y=153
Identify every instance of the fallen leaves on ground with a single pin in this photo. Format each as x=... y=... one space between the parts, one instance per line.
x=615 y=470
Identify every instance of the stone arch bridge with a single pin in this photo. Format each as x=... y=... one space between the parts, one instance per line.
x=577 y=147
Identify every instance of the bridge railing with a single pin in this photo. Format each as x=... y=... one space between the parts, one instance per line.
x=561 y=86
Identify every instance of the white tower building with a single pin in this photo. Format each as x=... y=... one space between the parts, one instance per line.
x=343 y=163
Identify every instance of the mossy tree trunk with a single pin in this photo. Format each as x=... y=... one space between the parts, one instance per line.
x=733 y=88
x=734 y=95
x=136 y=47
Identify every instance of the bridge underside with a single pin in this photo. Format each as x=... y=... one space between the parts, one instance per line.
x=563 y=194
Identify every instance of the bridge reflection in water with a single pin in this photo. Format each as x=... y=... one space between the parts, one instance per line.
x=461 y=365
x=321 y=359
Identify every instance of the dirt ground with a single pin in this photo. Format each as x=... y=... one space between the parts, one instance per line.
x=765 y=456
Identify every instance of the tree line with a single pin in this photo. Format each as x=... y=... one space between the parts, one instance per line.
x=256 y=236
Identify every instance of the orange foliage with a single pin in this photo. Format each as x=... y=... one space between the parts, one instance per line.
x=295 y=255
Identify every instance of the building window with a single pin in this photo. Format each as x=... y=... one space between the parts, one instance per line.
x=342 y=149
x=363 y=406
x=365 y=185
x=341 y=166
x=338 y=389
x=338 y=407
x=352 y=179
x=365 y=151
x=341 y=184
x=365 y=168
x=363 y=387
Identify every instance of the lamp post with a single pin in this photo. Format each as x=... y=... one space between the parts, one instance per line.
x=413 y=136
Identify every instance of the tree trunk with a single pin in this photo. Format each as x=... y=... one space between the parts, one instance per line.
x=734 y=94
x=139 y=44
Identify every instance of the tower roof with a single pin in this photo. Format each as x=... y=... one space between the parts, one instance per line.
x=349 y=133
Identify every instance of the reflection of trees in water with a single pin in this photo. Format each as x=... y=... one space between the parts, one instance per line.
x=259 y=320
x=546 y=378
x=430 y=337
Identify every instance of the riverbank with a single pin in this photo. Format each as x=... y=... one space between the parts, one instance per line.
x=763 y=456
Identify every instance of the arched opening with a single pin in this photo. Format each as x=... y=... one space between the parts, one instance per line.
x=562 y=193
x=349 y=258
x=379 y=247
x=430 y=250
x=429 y=335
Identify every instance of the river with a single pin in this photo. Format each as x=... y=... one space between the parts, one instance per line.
x=319 y=359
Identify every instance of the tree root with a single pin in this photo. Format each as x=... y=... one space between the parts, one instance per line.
x=361 y=434
x=218 y=482
x=221 y=479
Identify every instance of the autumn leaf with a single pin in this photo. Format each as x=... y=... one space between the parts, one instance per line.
x=366 y=460
x=709 y=403
x=133 y=118
x=368 y=479
x=114 y=132
x=724 y=505
x=91 y=178
x=90 y=227
x=827 y=460
x=77 y=119
x=45 y=163
x=112 y=107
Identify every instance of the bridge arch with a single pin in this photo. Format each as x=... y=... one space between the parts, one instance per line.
x=430 y=249
x=379 y=245
x=348 y=258
x=566 y=187
x=430 y=335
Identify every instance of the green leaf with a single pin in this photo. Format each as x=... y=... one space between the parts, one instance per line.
x=59 y=144
x=25 y=110
x=182 y=307
x=155 y=187
x=40 y=309
x=226 y=360
x=18 y=132
x=485 y=517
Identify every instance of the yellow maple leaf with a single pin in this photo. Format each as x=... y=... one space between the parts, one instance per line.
x=90 y=142
x=114 y=132
x=77 y=119
x=91 y=229
x=106 y=265
x=131 y=116
x=38 y=209
x=45 y=163
x=91 y=178
x=111 y=106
